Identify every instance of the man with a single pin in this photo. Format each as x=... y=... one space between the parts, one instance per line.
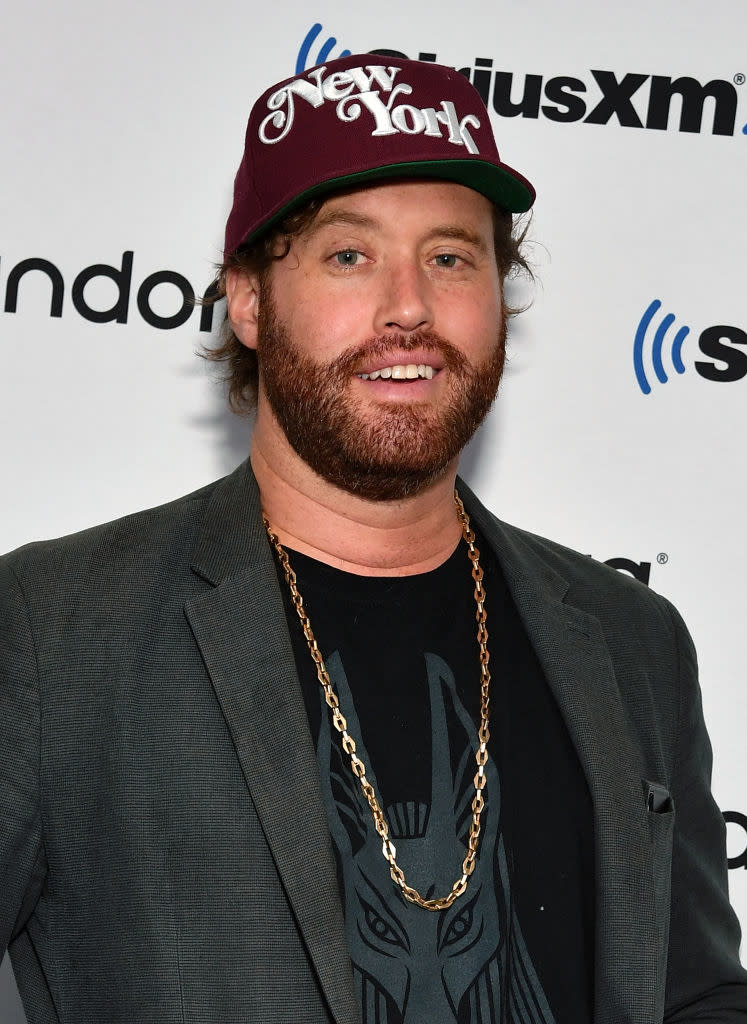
x=326 y=741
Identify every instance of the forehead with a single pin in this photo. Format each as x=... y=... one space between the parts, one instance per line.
x=408 y=206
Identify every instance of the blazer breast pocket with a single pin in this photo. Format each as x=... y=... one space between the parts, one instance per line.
x=660 y=814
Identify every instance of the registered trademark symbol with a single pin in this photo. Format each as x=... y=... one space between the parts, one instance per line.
x=739 y=78
x=662 y=558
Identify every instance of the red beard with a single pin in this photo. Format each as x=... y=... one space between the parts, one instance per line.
x=408 y=445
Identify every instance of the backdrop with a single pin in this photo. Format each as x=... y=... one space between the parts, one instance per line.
x=620 y=426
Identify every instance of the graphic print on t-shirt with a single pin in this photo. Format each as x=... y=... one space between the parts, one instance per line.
x=414 y=966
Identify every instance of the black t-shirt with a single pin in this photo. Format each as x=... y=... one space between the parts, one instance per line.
x=402 y=654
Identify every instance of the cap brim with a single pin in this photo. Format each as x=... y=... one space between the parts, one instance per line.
x=500 y=184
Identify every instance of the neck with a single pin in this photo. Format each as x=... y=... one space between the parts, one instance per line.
x=369 y=538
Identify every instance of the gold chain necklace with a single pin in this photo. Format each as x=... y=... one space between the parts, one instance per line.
x=348 y=743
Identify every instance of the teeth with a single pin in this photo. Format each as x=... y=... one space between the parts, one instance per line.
x=409 y=371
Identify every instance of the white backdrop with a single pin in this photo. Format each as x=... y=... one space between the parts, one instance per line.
x=121 y=133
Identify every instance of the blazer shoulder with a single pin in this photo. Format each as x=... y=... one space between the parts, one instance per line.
x=614 y=597
x=575 y=566
x=589 y=578
x=154 y=530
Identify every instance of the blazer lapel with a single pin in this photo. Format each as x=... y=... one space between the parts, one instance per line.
x=241 y=630
x=572 y=651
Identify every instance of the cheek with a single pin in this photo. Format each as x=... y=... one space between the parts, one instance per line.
x=473 y=325
x=326 y=324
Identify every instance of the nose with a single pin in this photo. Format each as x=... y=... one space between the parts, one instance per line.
x=405 y=304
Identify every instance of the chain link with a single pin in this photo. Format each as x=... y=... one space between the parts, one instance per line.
x=348 y=743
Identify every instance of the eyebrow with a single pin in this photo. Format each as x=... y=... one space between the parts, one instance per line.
x=458 y=234
x=334 y=218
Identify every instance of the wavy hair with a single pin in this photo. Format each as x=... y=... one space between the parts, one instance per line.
x=240 y=367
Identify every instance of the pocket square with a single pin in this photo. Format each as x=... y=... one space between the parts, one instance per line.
x=658 y=798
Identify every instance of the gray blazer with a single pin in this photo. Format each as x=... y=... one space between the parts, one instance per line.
x=164 y=852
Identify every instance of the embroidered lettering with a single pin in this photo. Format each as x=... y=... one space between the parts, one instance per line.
x=431 y=122
x=348 y=111
x=458 y=133
x=283 y=119
x=359 y=89
x=408 y=119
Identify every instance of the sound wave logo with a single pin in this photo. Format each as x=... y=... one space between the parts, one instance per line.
x=660 y=340
x=324 y=50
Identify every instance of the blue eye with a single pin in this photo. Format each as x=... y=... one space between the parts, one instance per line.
x=446 y=259
x=347 y=257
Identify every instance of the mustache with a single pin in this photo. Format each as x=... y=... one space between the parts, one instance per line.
x=352 y=359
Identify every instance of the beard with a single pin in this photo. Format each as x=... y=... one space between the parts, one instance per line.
x=382 y=453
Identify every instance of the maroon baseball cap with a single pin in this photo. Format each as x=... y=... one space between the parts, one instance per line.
x=365 y=118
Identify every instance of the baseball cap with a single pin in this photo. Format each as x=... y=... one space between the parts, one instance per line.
x=359 y=119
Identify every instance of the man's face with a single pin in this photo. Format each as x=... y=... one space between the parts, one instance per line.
x=381 y=334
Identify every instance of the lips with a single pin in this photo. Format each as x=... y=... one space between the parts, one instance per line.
x=402 y=371
x=401 y=363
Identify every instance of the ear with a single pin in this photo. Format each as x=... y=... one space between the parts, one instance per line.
x=242 y=303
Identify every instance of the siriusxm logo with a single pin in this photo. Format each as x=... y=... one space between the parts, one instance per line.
x=658 y=344
x=303 y=61
x=657 y=347
x=629 y=100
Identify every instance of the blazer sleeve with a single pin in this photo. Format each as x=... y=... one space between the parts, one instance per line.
x=21 y=854
x=705 y=981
